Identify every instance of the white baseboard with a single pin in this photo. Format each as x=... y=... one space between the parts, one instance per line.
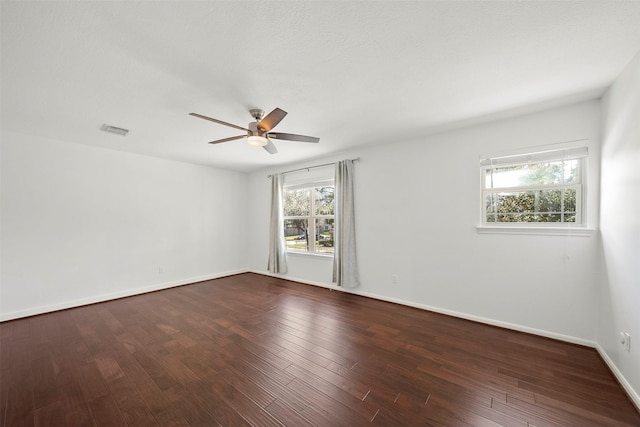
x=488 y=321
x=633 y=395
x=479 y=319
x=33 y=311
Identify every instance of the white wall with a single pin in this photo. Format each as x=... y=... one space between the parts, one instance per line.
x=83 y=224
x=619 y=296
x=417 y=208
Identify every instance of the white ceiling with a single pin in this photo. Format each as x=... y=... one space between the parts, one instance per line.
x=349 y=72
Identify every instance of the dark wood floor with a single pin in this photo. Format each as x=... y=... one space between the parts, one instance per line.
x=255 y=350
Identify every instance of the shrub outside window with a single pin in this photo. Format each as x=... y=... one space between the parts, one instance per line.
x=308 y=219
x=544 y=188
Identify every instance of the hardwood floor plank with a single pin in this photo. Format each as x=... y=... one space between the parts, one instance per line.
x=268 y=352
x=319 y=374
x=43 y=372
x=604 y=415
x=312 y=342
x=75 y=408
x=50 y=415
x=216 y=393
x=16 y=391
x=154 y=397
x=192 y=410
x=244 y=385
x=90 y=380
x=325 y=410
x=132 y=406
x=154 y=369
x=358 y=403
x=255 y=367
x=286 y=414
x=253 y=350
x=106 y=412
x=539 y=415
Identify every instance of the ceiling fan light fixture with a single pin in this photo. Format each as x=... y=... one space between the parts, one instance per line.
x=257 y=141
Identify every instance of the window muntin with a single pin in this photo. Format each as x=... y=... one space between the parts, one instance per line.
x=541 y=189
x=309 y=212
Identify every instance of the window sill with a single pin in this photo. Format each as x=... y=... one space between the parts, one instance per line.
x=536 y=230
x=310 y=254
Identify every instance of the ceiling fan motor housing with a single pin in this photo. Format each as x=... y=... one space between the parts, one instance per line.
x=257 y=114
x=253 y=129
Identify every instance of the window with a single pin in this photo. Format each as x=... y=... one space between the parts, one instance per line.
x=308 y=218
x=544 y=188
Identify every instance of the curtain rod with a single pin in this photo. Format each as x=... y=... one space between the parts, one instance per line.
x=312 y=167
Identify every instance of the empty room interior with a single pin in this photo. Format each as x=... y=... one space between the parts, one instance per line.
x=320 y=213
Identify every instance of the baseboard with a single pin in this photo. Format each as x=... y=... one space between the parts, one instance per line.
x=111 y=296
x=633 y=395
x=479 y=319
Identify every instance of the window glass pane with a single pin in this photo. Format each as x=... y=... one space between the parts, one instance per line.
x=548 y=201
x=295 y=234
x=571 y=172
x=324 y=200
x=534 y=174
x=296 y=202
x=527 y=206
x=324 y=235
x=507 y=176
x=528 y=217
x=546 y=173
x=570 y=205
x=490 y=208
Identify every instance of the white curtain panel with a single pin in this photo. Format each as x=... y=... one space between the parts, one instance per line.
x=345 y=263
x=277 y=251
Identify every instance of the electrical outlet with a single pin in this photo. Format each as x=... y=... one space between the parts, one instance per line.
x=160 y=270
x=394 y=279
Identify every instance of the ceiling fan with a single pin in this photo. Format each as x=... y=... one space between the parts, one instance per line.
x=259 y=132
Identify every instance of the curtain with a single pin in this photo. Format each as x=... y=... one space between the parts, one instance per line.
x=277 y=251
x=345 y=265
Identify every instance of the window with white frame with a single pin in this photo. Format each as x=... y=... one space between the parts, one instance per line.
x=541 y=188
x=308 y=218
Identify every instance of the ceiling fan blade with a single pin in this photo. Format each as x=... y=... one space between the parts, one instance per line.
x=218 y=121
x=271 y=120
x=231 y=138
x=293 y=137
x=271 y=149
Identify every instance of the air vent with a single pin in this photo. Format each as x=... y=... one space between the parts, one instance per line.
x=113 y=129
